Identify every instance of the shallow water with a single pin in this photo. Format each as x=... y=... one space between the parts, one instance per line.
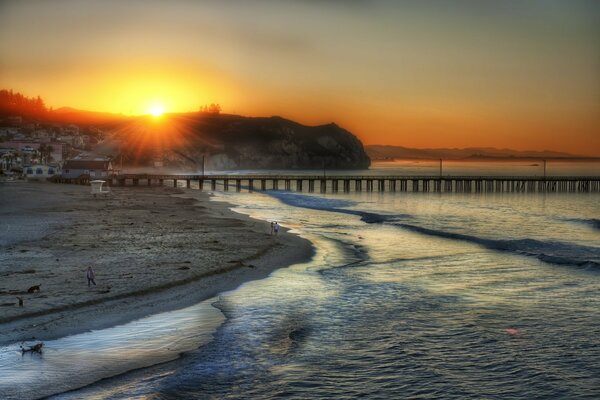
x=78 y=360
x=410 y=295
x=492 y=296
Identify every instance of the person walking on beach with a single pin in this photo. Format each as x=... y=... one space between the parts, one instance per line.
x=276 y=228
x=90 y=276
x=272 y=227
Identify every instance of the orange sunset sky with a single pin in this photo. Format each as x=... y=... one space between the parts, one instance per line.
x=516 y=74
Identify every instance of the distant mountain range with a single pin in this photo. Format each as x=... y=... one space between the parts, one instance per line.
x=385 y=152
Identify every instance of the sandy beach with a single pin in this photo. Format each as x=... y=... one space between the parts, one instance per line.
x=152 y=250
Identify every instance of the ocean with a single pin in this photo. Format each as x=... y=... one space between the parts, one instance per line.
x=409 y=295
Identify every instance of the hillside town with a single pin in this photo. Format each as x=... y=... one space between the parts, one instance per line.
x=36 y=146
x=34 y=150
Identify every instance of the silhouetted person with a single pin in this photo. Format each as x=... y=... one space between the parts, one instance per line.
x=90 y=276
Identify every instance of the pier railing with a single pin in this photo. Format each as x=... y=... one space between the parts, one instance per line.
x=366 y=183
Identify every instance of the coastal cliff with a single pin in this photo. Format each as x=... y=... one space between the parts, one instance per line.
x=227 y=142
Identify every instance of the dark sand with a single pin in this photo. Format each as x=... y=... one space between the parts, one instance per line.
x=152 y=249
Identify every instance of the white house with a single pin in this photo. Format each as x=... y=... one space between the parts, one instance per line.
x=40 y=171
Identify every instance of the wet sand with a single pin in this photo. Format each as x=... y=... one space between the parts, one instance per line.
x=152 y=249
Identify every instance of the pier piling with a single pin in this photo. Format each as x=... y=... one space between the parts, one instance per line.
x=456 y=184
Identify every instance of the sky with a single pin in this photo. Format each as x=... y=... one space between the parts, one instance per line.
x=467 y=73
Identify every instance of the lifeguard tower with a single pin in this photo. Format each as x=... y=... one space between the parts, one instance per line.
x=98 y=188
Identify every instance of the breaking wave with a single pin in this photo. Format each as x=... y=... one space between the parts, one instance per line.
x=547 y=251
x=552 y=252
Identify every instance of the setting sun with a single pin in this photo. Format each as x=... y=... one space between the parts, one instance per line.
x=156 y=110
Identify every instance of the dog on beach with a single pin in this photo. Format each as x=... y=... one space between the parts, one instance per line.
x=36 y=348
x=34 y=289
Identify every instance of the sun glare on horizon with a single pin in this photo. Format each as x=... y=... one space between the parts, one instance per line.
x=156 y=110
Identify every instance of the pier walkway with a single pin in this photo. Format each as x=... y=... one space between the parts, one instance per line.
x=359 y=183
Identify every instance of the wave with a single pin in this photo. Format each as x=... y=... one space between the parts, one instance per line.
x=552 y=252
x=334 y=205
x=548 y=251
x=593 y=222
x=311 y=202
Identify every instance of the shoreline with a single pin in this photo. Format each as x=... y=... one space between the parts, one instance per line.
x=61 y=317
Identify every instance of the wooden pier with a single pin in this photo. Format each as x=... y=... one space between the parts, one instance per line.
x=346 y=184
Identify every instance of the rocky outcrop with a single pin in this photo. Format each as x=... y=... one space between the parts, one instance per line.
x=235 y=142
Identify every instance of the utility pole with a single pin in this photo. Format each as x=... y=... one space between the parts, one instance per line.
x=544 y=169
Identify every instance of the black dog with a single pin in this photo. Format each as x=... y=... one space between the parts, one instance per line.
x=34 y=289
x=36 y=348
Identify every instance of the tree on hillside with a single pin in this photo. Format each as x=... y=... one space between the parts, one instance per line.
x=211 y=109
x=15 y=103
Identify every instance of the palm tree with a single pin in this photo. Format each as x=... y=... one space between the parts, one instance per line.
x=45 y=152
x=7 y=159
